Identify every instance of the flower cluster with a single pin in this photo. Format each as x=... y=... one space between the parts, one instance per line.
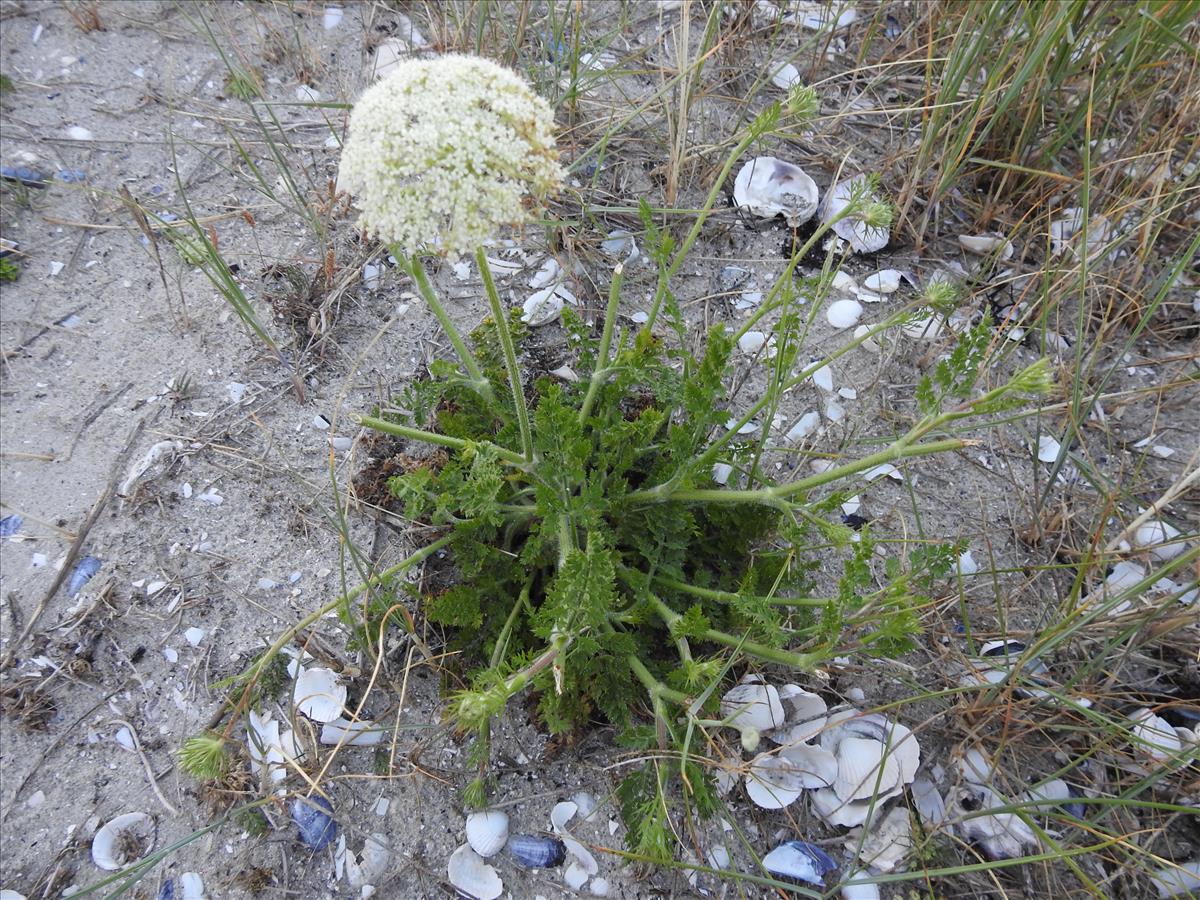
x=444 y=152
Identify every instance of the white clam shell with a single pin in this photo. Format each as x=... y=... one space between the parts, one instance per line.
x=351 y=734
x=772 y=783
x=844 y=313
x=123 y=840
x=833 y=810
x=804 y=713
x=999 y=836
x=468 y=872
x=318 y=694
x=767 y=187
x=1170 y=881
x=1158 y=538
x=898 y=739
x=927 y=800
x=861 y=237
x=815 y=766
x=543 y=307
x=865 y=769
x=751 y=342
x=886 y=281
x=1155 y=738
x=752 y=706
x=487 y=832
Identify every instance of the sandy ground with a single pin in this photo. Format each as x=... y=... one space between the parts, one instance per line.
x=230 y=534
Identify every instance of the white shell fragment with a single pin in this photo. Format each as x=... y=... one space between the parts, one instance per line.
x=986 y=245
x=807 y=425
x=1182 y=878
x=864 y=770
x=999 y=836
x=543 y=307
x=861 y=237
x=785 y=75
x=1048 y=448
x=351 y=734
x=1154 y=738
x=844 y=313
x=767 y=187
x=804 y=714
x=468 y=872
x=318 y=695
x=772 y=783
x=1065 y=230
x=269 y=747
x=751 y=342
x=752 y=705
x=487 y=832
x=366 y=866
x=887 y=843
x=886 y=281
x=123 y=840
x=815 y=766
x=620 y=243
x=1158 y=538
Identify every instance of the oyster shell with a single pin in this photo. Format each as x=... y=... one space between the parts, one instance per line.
x=768 y=187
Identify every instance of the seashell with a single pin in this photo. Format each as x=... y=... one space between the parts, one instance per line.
x=561 y=814
x=885 y=281
x=535 y=851
x=471 y=876
x=751 y=342
x=586 y=804
x=925 y=326
x=752 y=706
x=123 y=840
x=543 y=307
x=365 y=867
x=1154 y=738
x=11 y=895
x=1173 y=880
x=1051 y=796
x=870 y=343
x=806 y=425
x=861 y=237
x=566 y=373
x=999 y=836
x=549 y=273
x=884 y=848
x=815 y=766
x=768 y=187
x=1048 y=448
x=351 y=734
x=833 y=810
x=192 y=885
x=621 y=243
x=10 y=525
x=986 y=245
x=318 y=694
x=899 y=740
x=487 y=832
x=732 y=277
x=166 y=892
x=844 y=313
x=314 y=818
x=85 y=569
x=865 y=769
x=928 y=802
x=803 y=711
x=799 y=861
x=1065 y=229
x=25 y=175
x=966 y=564
x=772 y=783
x=859 y=890
x=1156 y=537
x=785 y=76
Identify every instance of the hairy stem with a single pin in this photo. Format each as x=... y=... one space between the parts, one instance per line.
x=601 y=372
x=658 y=690
x=510 y=353
x=432 y=437
x=415 y=268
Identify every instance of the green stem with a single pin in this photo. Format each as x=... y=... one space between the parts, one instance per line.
x=601 y=372
x=510 y=354
x=658 y=690
x=780 y=493
x=730 y=597
x=803 y=661
x=431 y=437
x=417 y=270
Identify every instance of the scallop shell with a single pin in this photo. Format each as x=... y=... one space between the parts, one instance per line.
x=468 y=873
x=815 y=766
x=123 y=840
x=885 y=281
x=752 y=706
x=768 y=187
x=899 y=740
x=804 y=715
x=833 y=810
x=865 y=769
x=772 y=783
x=487 y=832
x=318 y=694
x=861 y=237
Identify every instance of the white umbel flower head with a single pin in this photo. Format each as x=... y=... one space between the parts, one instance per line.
x=444 y=152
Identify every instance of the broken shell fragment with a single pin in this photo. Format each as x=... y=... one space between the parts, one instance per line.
x=537 y=851
x=799 y=861
x=85 y=569
x=351 y=734
x=833 y=810
x=998 y=836
x=314 y=819
x=318 y=695
x=768 y=187
x=365 y=867
x=487 y=832
x=473 y=877
x=752 y=705
x=1177 y=879
x=986 y=245
x=885 y=847
x=862 y=237
x=543 y=307
x=123 y=840
x=885 y=281
x=1154 y=738
x=804 y=712
x=1158 y=539
x=815 y=766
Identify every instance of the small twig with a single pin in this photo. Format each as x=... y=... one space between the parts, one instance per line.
x=76 y=548
x=137 y=745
